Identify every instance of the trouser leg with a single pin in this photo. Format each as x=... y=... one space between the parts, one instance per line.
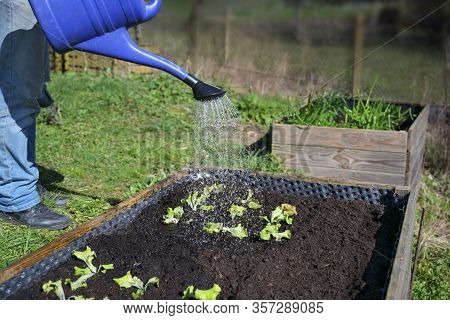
x=22 y=76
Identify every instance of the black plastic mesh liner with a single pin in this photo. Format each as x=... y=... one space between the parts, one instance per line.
x=265 y=182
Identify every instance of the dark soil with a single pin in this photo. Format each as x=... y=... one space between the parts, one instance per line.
x=338 y=250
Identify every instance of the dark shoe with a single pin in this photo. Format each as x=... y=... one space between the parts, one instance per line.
x=38 y=217
x=60 y=201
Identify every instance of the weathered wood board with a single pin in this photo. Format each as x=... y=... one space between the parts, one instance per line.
x=369 y=156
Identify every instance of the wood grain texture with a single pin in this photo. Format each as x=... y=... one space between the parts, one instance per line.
x=353 y=176
x=415 y=168
x=307 y=157
x=400 y=278
x=416 y=147
x=340 y=138
x=418 y=129
x=72 y=235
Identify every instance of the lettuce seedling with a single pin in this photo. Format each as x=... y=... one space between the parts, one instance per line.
x=249 y=197
x=254 y=204
x=274 y=231
x=129 y=281
x=238 y=231
x=194 y=200
x=105 y=267
x=82 y=271
x=207 y=208
x=211 y=294
x=80 y=282
x=55 y=286
x=173 y=216
x=87 y=256
x=268 y=231
x=237 y=211
x=289 y=209
x=212 y=227
x=280 y=235
x=215 y=188
x=283 y=213
x=188 y=293
x=251 y=202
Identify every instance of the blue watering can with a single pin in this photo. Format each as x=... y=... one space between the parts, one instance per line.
x=100 y=27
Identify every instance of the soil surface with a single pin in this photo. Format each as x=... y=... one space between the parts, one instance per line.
x=338 y=250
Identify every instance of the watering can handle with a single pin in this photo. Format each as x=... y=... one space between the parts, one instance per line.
x=152 y=8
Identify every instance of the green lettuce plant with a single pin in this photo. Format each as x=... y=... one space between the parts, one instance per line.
x=54 y=286
x=192 y=293
x=194 y=200
x=238 y=231
x=57 y=287
x=213 y=189
x=283 y=213
x=207 y=208
x=173 y=216
x=130 y=281
x=212 y=227
x=273 y=230
x=80 y=282
x=237 y=211
x=251 y=202
x=87 y=256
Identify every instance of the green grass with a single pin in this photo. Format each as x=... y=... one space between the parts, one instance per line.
x=332 y=110
x=433 y=269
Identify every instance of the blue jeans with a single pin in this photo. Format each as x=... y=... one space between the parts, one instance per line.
x=23 y=72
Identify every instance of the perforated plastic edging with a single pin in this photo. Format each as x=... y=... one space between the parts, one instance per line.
x=282 y=185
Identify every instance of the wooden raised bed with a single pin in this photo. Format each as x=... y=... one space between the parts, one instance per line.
x=37 y=264
x=368 y=156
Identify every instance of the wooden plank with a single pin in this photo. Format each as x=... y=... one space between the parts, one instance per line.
x=341 y=138
x=418 y=129
x=400 y=277
x=72 y=235
x=354 y=176
x=416 y=146
x=416 y=168
x=375 y=161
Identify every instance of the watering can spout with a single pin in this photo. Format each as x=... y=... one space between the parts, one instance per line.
x=203 y=91
x=100 y=27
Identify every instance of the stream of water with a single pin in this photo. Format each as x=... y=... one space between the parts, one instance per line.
x=216 y=134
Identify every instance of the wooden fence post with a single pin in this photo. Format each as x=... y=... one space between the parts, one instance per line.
x=446 y=45
x=358 y=53
x=300 y=33
x=227 y=32
x=194 y=27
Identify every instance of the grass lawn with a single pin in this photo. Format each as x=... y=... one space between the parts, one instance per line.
x=120 y=135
